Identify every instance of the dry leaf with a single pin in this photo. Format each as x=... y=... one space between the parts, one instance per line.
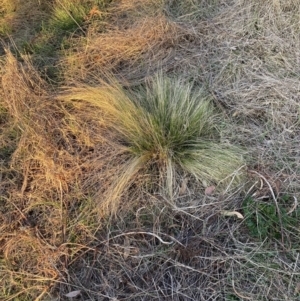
x=95 y=11
x=278 y=185
x=294 y=206
x=297 y=288
x=236 y=113
x=209 y=190
x=126 y=248
x=73 y=294
x=232 y=213
x=183 y=187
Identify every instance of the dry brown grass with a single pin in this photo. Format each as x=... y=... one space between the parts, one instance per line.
x=135 y=9
x=27 y=253
x=137 y=43
x=46 y=167
x=255 y=76
x=56 y=164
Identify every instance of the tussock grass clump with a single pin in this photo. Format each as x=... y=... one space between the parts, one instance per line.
x=166 y=126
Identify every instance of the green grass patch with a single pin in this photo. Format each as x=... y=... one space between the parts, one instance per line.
x=5 y=28
x=263 y=220
x=69 y=15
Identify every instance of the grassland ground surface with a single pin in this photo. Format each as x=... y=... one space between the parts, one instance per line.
x=150 y=150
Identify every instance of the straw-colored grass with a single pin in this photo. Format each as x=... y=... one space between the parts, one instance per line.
x=129 y=50
x=21 y=18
